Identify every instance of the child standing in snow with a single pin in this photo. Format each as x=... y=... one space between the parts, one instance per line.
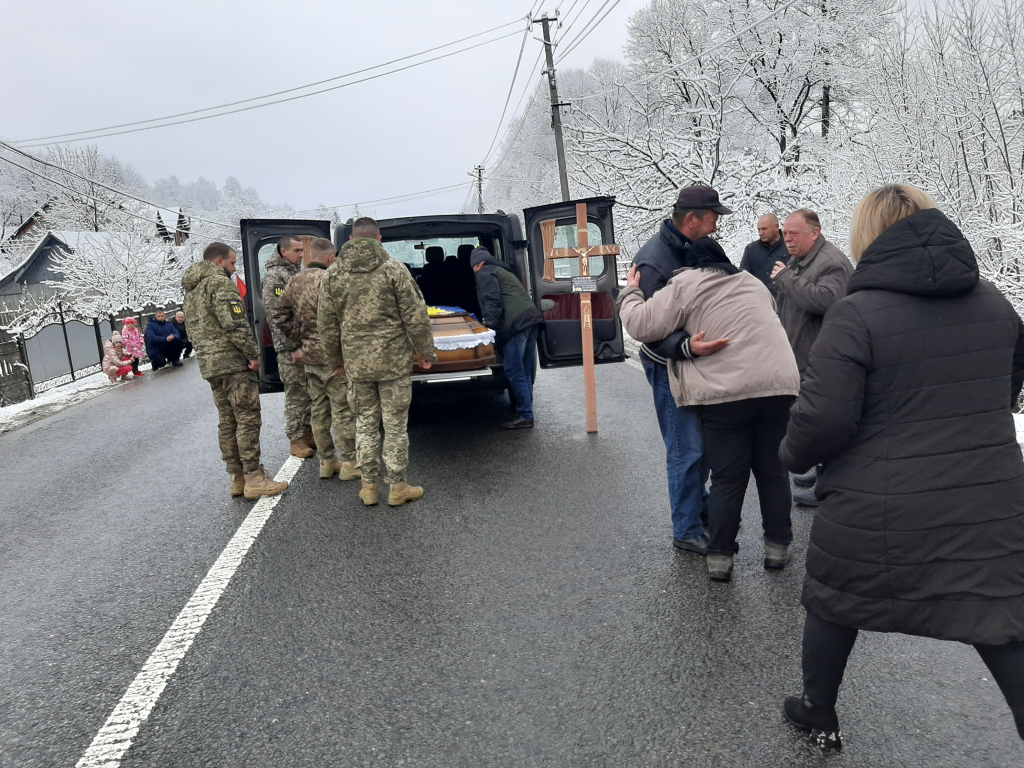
x=133 y=342
x=116 y=361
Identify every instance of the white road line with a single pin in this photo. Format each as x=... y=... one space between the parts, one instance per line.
x=138 y=701
x=634 y=363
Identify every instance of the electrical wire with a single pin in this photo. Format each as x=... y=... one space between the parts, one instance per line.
x=588 y=29
x=511 y=88
x=689 y=61
x=121 y=192
x=522 y=120
x=267 y=95
x=93 y=198
x=578 y=15
x=396 y=198
x=277 y=101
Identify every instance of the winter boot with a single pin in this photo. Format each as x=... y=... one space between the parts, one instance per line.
x=403 y=492
x=720 y=567
x=822 y=723
x=775 y=555
x=237 y=483
x=258 y=484
x=301 y=449
x=329 y=468
x=369 y=494
x=349 y=470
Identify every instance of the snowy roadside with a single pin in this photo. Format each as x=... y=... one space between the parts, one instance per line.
x=55 y=400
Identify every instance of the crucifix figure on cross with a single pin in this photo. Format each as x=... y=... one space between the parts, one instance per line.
x=583 y=252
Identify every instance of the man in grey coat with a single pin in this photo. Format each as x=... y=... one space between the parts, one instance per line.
x=806 y=287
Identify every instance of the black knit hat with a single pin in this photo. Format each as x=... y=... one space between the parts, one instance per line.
x=478 y=256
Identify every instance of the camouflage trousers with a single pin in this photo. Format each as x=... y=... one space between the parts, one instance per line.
x=296 y=397
x=375 y=402
x=237 y=396
x=328 y=394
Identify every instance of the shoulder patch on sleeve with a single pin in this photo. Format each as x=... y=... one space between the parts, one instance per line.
x=278 y=291
x=236 y=307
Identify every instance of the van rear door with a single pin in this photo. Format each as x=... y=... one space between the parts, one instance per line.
x=259 y=243
x=561 y=341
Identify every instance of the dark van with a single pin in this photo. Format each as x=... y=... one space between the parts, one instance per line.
x=431 y=246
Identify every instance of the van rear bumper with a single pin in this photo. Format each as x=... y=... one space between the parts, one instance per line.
x=479 y=376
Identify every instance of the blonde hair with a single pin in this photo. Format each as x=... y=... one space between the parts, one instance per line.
x=882 y=208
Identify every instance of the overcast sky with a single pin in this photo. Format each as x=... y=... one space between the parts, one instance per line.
x=74 y=65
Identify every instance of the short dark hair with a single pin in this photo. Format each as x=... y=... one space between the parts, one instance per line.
x=679 y=214
x=216 y=251
x=285 y=241
x=809 y=216
x=365 y=227
x=321 y=249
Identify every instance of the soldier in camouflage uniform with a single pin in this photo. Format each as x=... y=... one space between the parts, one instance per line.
x=282 y=267
x=295 y=316
x=373 y=322
x=228 y=360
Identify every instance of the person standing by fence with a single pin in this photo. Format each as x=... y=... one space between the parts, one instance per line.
x=228 y=360
x=133 y=343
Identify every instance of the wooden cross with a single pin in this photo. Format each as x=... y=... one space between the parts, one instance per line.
x=584 y=252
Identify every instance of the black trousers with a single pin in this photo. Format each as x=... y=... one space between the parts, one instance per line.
x=827 y=647
x=168 y=352
x=741 y=437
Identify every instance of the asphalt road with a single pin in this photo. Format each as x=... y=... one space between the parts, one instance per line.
x=529 y=611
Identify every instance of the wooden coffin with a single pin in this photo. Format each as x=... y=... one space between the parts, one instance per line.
x=467 y=359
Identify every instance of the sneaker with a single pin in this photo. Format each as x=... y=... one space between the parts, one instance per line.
x=517 y=423
x=698 y=544
x=138 y=374
x=720 y=567
x=807 y=479
x=176 y=363
x=775 y=555
x=805 y=497
x=822 y=723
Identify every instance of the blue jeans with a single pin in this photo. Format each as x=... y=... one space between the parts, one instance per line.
x=519 y=354
x=684 y=448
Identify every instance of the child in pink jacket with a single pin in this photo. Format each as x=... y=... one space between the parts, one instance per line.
x=116 y=361
x=134 y=344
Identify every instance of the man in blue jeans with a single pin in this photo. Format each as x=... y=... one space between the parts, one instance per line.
x=694 y=215
x=507 y=308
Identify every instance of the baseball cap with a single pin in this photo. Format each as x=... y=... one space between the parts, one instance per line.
x=699 y=197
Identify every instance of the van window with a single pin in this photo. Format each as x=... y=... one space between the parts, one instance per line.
x=566 y=237
x=414 y=252
x=266 y=253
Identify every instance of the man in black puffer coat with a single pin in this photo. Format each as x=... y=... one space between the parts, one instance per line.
x=906 y=403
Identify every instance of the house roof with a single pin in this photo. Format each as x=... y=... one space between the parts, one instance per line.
x=17 y=270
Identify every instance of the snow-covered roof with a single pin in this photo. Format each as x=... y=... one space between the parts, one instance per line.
x=6 y=271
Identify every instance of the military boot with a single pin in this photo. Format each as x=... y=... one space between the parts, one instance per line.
x=301 y=449
x=258 y=484
x=369 y=494
x=329 y=468
x=237 y=483
x=349 y=470
x=308 y=439
x=403 y=492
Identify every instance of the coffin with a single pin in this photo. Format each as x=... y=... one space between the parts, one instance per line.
x=462 y=343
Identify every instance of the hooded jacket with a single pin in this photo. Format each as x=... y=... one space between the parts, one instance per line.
x=133 y=343
x=715 y=297
x=505 y=305
x=906 y=401
x=113 y=360
x=295 y=314
x=218 y=327
x=279 y=272
x=372 y=318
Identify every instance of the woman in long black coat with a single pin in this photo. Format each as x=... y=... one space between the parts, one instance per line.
x=906 y=402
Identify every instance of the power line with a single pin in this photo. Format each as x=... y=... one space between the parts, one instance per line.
x=689 y=61
x=267 y=95
x=91 y=197
x=121 y=192
x=396 y=198
x=519 y=123
x=578 y=15
x=588 y=29
x=511 y=88
x=278 y=101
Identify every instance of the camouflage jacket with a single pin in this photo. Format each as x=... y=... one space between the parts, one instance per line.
x=372 y=316
x=279 y=272
x=295 y=314
x=217 y=325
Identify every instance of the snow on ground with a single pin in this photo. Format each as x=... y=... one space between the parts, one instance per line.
x=55 y=400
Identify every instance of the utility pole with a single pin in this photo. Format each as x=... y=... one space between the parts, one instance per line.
x=479 y=187
x=556 y=114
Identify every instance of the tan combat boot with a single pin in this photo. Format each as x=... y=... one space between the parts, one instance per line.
x=349 y=470
x=301 y=449
x=329 y=468
x=403 y=492
x=258 y=484
x=369 y=494
x=308 y=439
x=237 y=483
